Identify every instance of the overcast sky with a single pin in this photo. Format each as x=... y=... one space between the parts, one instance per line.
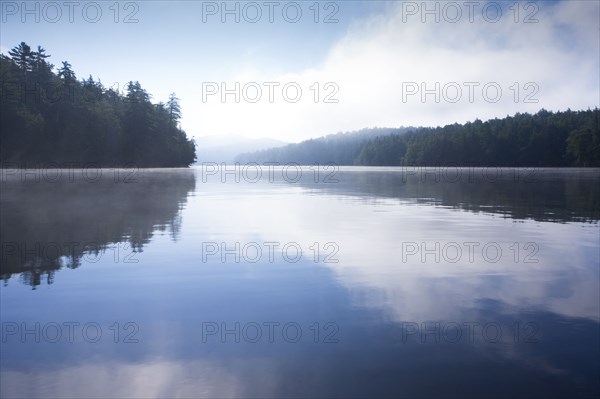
x=356 y=64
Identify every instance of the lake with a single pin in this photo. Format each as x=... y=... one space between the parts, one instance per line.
x=318 y=281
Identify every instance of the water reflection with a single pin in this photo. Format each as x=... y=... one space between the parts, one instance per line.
x=543 y=194
x=528 y=319
x=49 y=224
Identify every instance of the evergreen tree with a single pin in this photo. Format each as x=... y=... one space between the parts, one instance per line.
x=66 y=121
x=22 y=57
x=174 y=109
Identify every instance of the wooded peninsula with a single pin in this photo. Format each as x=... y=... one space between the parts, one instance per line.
x=53 y=118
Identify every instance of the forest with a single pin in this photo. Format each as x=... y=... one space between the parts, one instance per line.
x=52 y=118
x=544 y=139
x=339 y=148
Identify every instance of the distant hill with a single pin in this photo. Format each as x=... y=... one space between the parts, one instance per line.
x=224 y=148
x=544 y=139
x=339 y=148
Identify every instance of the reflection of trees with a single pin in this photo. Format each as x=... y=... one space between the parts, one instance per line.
x=50 y=225
x=47 y=226
x=553 y=195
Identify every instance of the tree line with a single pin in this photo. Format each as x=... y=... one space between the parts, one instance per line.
x=339 y=148
x=51 y=117
x=543 y=139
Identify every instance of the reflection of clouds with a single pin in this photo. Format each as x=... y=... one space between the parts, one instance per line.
x=370 y=234
x=152 y=379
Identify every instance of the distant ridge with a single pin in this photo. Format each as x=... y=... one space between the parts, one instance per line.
x=339 y=148
x=544 y=139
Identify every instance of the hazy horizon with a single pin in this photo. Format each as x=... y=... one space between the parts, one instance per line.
x=300 y=199
x=384 y=54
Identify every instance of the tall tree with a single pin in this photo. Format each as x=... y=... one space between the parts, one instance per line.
x=39 y=58
x=22 y=56
x=174 y=108
x=66 y=73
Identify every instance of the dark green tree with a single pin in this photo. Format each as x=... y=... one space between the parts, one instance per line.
x=174 y=109
x=52 y=118
x=23 y=57
x=583 y=145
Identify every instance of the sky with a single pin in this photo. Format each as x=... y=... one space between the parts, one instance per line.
x=296 y=70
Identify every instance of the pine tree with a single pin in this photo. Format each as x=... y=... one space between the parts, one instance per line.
x=174 y=109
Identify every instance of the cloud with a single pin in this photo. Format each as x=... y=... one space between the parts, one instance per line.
x=498 y=68
x=378 y=275
x=154 y=378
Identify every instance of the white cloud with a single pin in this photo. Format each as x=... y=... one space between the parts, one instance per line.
x=413 y=288
x=380 y=55
x=152 y=379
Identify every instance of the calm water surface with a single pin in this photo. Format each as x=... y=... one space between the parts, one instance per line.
x=336 y=283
